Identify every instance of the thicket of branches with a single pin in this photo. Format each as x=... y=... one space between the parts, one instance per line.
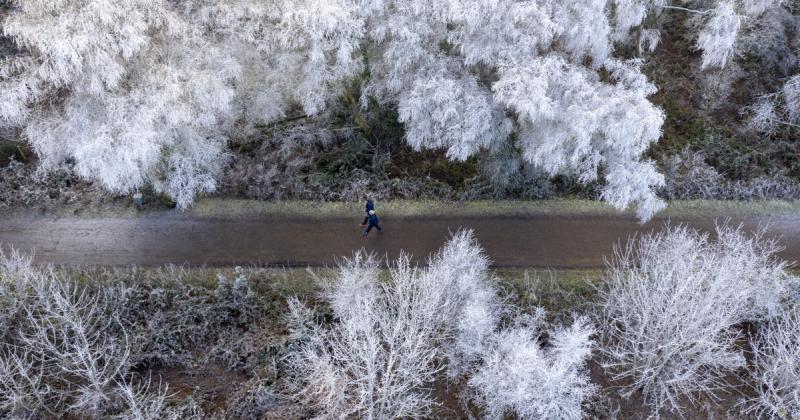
x=392 y=340
x=673 y=305
x=689 y=176
x=65 y=349
x=776 y=367
x=81 y=345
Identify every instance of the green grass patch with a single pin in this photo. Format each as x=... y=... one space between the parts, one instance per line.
x=556 y=290
x=13 y=150
x=265 y=281
x=709 y=208
x=219 y=207
x=225 y=208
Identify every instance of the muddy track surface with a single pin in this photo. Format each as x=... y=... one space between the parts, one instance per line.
x=547 y=241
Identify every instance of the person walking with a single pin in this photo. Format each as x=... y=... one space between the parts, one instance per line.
x=373 y=222
x=370 y=207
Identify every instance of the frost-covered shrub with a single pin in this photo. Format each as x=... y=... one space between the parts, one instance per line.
x=383 y=353
x=763 y=115
x=64 y=349
x=392 y=338
x=777 y=109
x=258 y=400
x=92 y=343
x=791 y=97
x=671 y=305
x=689 y=176
x=776 y=367
x=519 y=377
x=22 y=185
x=171 y=318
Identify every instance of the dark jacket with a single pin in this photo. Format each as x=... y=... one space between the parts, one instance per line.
x=373 y=219
x=370 y=206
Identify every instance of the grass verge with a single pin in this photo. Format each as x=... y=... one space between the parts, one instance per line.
x=219 y=207
x=228 y=208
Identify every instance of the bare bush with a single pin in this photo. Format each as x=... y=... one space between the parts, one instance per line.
x=672 y=303
x=65 y=350
x=776 y=368
x=312 y=159
x=382 y=355
x=520 y=377
x=86 y=342
x=142 y=403
x=394 y=338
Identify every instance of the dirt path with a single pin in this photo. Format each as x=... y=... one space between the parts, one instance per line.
x=547 y=241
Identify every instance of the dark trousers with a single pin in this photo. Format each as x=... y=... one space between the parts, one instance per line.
x=370 y=226
x=366 y=219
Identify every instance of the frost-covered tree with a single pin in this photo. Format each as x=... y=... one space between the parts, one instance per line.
x=718 y=36
x=776 y=367
x=717 y=22
x=392 y=338
x=382 y=355
x=762 y=32
x=293 y=53
x=130 y=91
x=466 y=74
x=146 y=91
x=671 y=303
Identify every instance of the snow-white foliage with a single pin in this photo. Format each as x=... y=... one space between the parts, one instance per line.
x=393 y=337
x=462 y=71
x=776 y=109
x=718 y=37
x=570 y=119
x=293 y=52
x=763 y=116
x=791 y=98
x=519 y=378
x=381 y=356
x=627 y=14
x=142 y=92
x=649 y=39
x=671 y=304
x=146 y=91
x=776 y=368
x=128 y=90
x=78 y=42
x=436 y=111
